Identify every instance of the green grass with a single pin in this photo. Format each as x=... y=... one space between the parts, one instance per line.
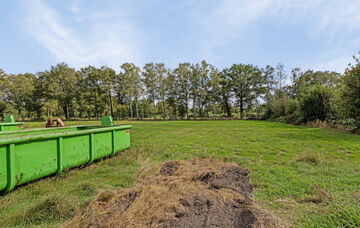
x=286 y=162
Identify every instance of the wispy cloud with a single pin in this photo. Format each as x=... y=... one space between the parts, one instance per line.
x=336 y=59
x=105 y=38
x=228 y=20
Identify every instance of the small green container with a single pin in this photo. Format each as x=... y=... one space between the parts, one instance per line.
x=10 y=124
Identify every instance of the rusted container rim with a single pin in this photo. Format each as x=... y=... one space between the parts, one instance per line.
x=51 y=135
x=12 y=123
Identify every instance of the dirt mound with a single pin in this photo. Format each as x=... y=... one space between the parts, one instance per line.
x=194 y=193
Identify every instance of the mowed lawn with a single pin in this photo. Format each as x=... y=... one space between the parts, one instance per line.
x=286 y=164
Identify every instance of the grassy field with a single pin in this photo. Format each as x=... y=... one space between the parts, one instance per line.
x=286 y=164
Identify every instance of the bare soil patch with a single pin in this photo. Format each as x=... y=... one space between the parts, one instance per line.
x=192 y=193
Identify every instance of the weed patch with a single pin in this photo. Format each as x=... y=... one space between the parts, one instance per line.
x=310 y=158
x=48 y=211
x=340 y=216
x=320 y=196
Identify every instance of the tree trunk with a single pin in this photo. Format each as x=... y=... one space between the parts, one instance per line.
x=228 y=109
x=96 y=106
x=137 y=111
x=20 y=115
x=154 y=107
x=194 y=108
x=110 y=105
x=187 y=109
x=131 y=110
x=257 y=111
x=214 y=109
x=143 y=112
x=66 y=111
x=241 y=110
x=175 y=110
x=163 y=104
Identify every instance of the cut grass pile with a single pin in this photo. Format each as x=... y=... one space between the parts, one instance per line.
x=187 y=193
x=290 y=166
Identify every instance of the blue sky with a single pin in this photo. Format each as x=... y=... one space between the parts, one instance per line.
x=310 y=34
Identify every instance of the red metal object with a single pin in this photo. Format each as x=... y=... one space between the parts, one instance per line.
x=50 y=123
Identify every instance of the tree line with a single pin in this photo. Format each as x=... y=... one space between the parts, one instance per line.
x=190 y=91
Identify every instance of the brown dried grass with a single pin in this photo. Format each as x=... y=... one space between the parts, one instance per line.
x=192 y=193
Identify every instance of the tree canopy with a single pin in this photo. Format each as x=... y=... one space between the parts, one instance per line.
x=198 y=90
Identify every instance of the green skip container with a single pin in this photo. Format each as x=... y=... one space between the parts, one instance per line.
x=28 y=155
x=10 y=124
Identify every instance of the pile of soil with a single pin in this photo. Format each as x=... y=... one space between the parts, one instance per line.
x=192 y=193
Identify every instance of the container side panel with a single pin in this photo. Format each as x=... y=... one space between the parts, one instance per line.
x=10 y=128
x=75 y=150
x=122 y=140
x=102 y=144
x=34 y=160
x=3 y=169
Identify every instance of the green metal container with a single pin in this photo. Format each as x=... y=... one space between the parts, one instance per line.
x=28 y=155
x=10 y=124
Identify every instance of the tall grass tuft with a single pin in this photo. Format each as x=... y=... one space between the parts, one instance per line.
x=340 y=216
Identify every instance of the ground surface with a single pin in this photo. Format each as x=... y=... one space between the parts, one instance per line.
x=309 y=177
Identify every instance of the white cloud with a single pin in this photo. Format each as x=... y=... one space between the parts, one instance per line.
x=228 y=20
x=231 y=16
x=105 y=38
x=336 y=59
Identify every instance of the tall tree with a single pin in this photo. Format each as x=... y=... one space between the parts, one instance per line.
x=246 y=82
x=195 y=86
x=92 y=89
x=280 y=76
x=108 y=81
x=182 y=75
x=132 y=83
x=19 y=89
x=269 y=76
x=3 y=103
x=214 y=89
x=161 y=74
x=350 y=92
x=150 y=81
x=202 y=89
x=173 y=93
x=226 y=91
x=60 y=84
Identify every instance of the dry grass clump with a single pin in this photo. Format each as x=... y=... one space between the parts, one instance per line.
x=320 y=196
x=192 y=193
x=310 y=158
x=50 y=209
x=319 y=124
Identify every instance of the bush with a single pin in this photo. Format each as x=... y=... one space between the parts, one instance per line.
x=283 y=110
x=350 y=94
x=315 y=103
x=280 y=107
x=292 y=111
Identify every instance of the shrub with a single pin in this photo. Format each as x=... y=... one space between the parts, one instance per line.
x=283 y=110
x=315 y=103
x=279 y=107
x=349 y=99
x=292 y=111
